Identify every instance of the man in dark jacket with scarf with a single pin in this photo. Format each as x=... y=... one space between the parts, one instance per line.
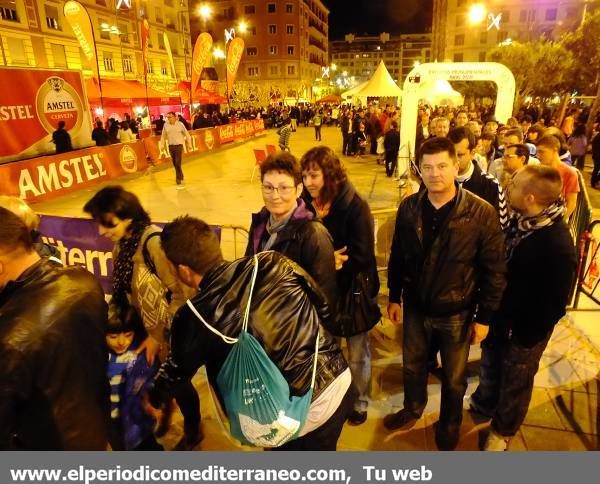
x=286 y=312
x=541 y=267
x=53 y=387
x=447 y=268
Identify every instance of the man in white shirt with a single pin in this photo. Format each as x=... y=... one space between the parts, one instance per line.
x=175 y=134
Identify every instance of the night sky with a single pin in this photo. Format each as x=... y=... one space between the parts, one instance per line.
x=376 y=16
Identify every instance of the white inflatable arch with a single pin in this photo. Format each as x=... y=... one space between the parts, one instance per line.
x=449 y=71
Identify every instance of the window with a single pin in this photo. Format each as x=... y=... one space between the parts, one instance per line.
x=273 y=49
x=101 y=2
x=523 y=16
x=127 y=63
x=161 y=41
x=483 y=38
x=289 y=29
x=158 y=14
x=58 y=53
x=290 y=50
x=251 y=30
x=188 y=70
x=272 y=29
x=551 y=14
x=482 y=56
x=458 y=57
x=164 y=68
x=169 y=21
x=271 y=8
x=459 y=39
x=16 y=49
x=291 y=70
x=571 y=12
x=289 y=8
x=149 y=67
x=52 y=18
x=169 y=3
x=108 y=61
x=460 y=20
x=502 y=35
x=252 y=71
x=124 y=33
x=274 y=70
x=9 y=12
x=251 y=51
x=249 y=9
x=104 y=31
x=506 y=16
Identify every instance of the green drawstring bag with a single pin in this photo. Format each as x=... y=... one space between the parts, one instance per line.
x=257 y=398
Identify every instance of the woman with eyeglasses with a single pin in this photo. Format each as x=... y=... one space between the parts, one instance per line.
x=348 y=219
x=287 y=226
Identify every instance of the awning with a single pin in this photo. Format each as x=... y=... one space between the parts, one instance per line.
x=201 y=96
x=332 y=98
x=118 y=92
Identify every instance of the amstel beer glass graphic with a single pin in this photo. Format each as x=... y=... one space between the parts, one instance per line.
x=56 y=101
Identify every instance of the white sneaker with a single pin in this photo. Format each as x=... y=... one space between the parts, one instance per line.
x=495 y=442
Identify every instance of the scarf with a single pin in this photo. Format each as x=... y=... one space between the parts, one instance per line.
x=520 y=227
x=273 y=227
x=123 y=266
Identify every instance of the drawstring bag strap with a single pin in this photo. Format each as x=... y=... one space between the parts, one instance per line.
x=229 y=339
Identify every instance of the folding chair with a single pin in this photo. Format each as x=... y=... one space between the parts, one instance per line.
x=271 y=149
x=259 y=156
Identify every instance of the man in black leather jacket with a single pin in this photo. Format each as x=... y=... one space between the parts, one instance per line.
x=53 y=387
x=447 y=266
x=286 y=313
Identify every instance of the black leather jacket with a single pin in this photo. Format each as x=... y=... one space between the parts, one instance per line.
x=53 y=386
x=286 y=312
x=465 y=268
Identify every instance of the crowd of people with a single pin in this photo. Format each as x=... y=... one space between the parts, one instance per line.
x=480 y=254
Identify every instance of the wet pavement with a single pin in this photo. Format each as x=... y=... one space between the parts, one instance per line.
x=564 y=411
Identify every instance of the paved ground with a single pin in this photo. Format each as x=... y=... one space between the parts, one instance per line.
x=564 y=411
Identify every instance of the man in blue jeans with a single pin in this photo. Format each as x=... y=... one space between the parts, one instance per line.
x=447 y=267
x=541 y=267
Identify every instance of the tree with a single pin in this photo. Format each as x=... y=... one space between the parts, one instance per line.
x=584 y=45
x=541 y=67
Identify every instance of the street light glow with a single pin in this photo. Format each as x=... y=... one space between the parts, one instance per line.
x=242 y=27
x=218 y=53
x=205 y=11
x=477 y=13
x=333 y=67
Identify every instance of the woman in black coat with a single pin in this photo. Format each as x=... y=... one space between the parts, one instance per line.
x=348 y=219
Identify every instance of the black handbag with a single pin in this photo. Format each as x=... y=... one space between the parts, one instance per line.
x=357 y=308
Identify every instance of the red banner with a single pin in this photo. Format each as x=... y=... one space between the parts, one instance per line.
x=234 y=56
x=32 y=103
x=200 y=57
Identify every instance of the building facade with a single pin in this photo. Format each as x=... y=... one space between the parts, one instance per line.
x=34 y=33
x=461 y=33
x=358 y=57
x=285 y=45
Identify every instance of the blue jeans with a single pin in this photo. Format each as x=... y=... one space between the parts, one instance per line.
x=452 y=334
x=359 y=361
x=519 y=366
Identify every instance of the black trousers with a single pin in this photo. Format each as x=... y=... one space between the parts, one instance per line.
x=326 y=436
x=176 y=152
x=189 y=403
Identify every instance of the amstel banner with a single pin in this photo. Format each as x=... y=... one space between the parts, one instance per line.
x=32 y=103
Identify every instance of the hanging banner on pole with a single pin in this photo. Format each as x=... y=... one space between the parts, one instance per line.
x=80 y=22
x=200 y=56
x=170 y=54
x=145 y=36
x=234 y=56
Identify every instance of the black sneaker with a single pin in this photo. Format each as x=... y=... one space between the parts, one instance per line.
x=357 y=417
x=189 y=441
x=446 y=438
x=403 y=419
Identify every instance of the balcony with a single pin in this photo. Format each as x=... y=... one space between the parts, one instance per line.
x=317 y=26
x=317 y=43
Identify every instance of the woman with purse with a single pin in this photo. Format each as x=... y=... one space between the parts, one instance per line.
x=348 y=219
x=142 y=279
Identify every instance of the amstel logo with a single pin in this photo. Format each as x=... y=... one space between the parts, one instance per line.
x=56 y=100
x=128 y=159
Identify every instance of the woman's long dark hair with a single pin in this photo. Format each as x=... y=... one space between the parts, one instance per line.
x=327 y=161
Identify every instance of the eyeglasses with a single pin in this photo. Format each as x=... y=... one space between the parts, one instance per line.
x=283 y=190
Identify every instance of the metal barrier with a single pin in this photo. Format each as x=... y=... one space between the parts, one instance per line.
x=588 y=274
x=234 y=240
x=385 y=223
x=582 y=216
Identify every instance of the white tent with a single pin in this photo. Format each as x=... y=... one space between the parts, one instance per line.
x=380 y=85
x=440 y=93
x=352 y=92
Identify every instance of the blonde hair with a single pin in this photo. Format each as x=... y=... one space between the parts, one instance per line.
x=21 y=210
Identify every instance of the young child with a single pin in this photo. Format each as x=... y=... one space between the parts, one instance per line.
x=129 y=375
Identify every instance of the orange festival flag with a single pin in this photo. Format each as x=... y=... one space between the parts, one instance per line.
x=234 y=56
x=200 y=57
x=80 y=22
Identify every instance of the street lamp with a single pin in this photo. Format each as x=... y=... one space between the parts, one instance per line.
x=477 y=13
x=242 y=27
x=205 y=11
x=218 y=53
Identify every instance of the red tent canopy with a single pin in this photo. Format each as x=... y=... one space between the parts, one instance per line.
x=118 y=92
x=332 y=98
x=201 y=96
